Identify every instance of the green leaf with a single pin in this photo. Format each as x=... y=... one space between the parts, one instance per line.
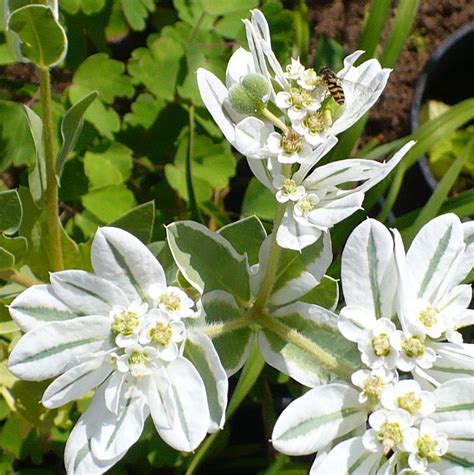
x=14 y=130
x=37 y=176
x=246 y=236
x=325 y=294
x=104 y=75
x=7 y=260
x=145 y=111
x=18 y=246
x=8 y=327
x=207 y=260
x=137 y=11
x=259 y=201
x=233 y=344
x=11 y=212
x=71 y=127
x=330 y=53
x=109 y=203
x=316 y=334
x=42 y=39
x=222 y=7
x=111 y=166
x=157 y=66
x=138 y=221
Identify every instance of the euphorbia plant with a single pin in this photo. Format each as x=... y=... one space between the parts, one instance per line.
x=161 y=336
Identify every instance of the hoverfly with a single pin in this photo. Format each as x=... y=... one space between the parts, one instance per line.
x=334 y=85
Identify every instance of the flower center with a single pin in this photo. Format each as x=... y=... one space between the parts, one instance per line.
x=300 y=98
x=125 y=323
x=413 y=347
x=390 y=434
x=426 y=448
x=161 y=334
x=306 y=204
x=373 y=386
x=289 y=187
x=381 y=344
x=317 y=122
x=409 y=402
x=291 y=143
x=171 y=301
x=428 y=317
x=137 y=358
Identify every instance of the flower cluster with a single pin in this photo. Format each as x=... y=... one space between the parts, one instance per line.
x=404 y=313
x=285 y=120
x=123 y=331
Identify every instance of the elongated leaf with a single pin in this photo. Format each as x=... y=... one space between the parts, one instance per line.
x=317 y=417
x=71 y=127
x=7 y=260
x=201 y=353
x=246 y=235
x=11 y=212
x=139 y=221
x=325 y=294
x=207 y=260
x=51 y=348
x=299 y=338
x=42 y=40
x=37 y=176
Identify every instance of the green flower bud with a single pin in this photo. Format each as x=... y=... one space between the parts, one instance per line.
x=251 y=95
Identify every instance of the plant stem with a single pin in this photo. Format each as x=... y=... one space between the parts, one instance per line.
x=274 y=120
x=51 y=204
x=13 y=275
x=217 y=329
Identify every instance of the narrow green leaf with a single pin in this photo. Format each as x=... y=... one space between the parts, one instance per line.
x=7 y=260
x=207 y=260
x=432 y=207
x=8 y=327
x=37 y=176
x=193 y=206
x=11 y=212
x=71 y=127
x=42 y=39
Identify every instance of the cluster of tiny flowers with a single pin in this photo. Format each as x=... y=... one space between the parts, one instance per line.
x=146 y=336
x=284 y=120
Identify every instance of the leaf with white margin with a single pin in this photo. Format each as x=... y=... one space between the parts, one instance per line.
x=368 y=272
x=316 y=418
x=299 y=272
x=432 y=253
x=317 y=326
x=454 y=361
x=202 y=354
x=192 y=418
x=348 y=457
x=121 y=258
x=54 y=347
x=325 y=294
x=38 y=305
x=454 y=401
x=207 y=260
x=232 y=346
x=87 y=293
x=118 y=432
x=460 y=440
x=75 y=382
x=78 y=458
x=468 y=231
x=160 y=399
x=246 y=236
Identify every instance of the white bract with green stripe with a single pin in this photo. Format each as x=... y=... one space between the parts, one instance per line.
x=123 y=331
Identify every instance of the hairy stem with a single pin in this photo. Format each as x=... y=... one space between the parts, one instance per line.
x=51 y=204
x=217 y=329
x=13 y=275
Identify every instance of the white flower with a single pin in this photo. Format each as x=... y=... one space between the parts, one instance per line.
x=413 y=350
x=106 y=331
x=287 y=189
x=297 y=102
x=387 y=431
x=408 y=395
x=308 y=79
x=426 y=445
x=173 y=301
x=373 y=383
x=294 y=69
x=327 y=200
x=289 y=148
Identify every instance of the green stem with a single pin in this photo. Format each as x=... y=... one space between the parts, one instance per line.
x=51 y=204
x=13 y=275
x=193 y=206
x=274 y=120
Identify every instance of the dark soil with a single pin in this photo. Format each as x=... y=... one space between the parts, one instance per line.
x=436 y=20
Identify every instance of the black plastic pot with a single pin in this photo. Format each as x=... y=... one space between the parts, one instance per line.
x=448 y=77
